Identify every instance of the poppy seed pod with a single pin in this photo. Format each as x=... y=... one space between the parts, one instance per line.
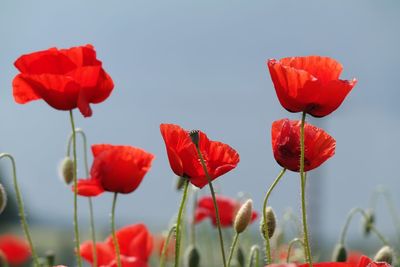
x=339 y=253
x=194 y=135
x=67 y=170
x=192 y=256
x=3 y=199
x=243 y=216
x=271 y=223
x=385 y=254
x=368 y=222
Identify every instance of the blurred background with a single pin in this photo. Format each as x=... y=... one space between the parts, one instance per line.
x=201 y=64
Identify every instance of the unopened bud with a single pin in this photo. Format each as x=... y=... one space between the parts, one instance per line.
x=339 y=253
x=271 y=223
x=368 y=222
x=195 y=136
x=385 y=254
x=240 y=257
x=180 y=182
x=192 y=256
x=243 y=216
x=67 y=170
x=3 y=199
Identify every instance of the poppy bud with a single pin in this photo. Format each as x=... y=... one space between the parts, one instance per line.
x=243 y=216
x=3 y=199
x=368 y=222
x=271 y=223
x=339 y=253
x=180 y=182
x=67 y=170
x=192 y=256
x=385 y=254
x=240 y=257
x=194 y=135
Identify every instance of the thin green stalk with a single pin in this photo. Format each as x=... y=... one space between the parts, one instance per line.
x=232 y=250
x=265 y=224
x=166 y=245
x=21 y=209
x=291 y=243
x=303 y=191
x=85 y=160
x=254 y=253
x=221 y=241
x=347 y=224
x=116 y=243
x=178 y=224
x=76 y=227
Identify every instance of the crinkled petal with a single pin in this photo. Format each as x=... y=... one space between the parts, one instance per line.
x=89 y=187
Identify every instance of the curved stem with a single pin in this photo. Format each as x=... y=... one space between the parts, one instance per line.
x=265 y=224
x=221 y=240
x=21 y=209
x=76 y=227
x=116 y=243
x=348 y=220
x=291 y=243
x=166 y=245
x=179 y=223
x=235 y=239
x=303 y=191
x=85 y=161
x=254 y=253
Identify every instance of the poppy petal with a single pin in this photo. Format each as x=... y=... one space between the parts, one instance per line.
x=82 y=55
x=89 y=187
x=15 y=249
x=22 y=91
x=105 y=254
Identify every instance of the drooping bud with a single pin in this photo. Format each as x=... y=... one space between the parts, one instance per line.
x=195 y=136
x=271 y=223
x=240 y=257
x=368 y=222
x=243 y=216
x=385 y=254
x=192 y=256
x=3 y=199
x=67 y=170
x=339 y=253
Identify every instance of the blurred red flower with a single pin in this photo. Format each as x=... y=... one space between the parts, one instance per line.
x=159 y=242
x=118 y=169
x=15 y=249
x=64 y=78
x=354 y=256
x=227 y=208
x=319 y=146
x=183 y=158
x=135 y=243
x=310 y=84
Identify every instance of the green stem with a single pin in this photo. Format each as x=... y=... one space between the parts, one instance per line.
x=221 y=241
x=254 y=253
x=85 y=161
x=265 y=224
x=235 y=239
x=76 y=227
x=116 y=243
x=347 y=224
x=166 y=245
x=179 y=223
x=21 y=208
x=303 y=191
x=291 y=243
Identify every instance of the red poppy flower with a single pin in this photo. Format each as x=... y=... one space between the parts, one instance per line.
x=118 y=169
x=319 y=146
x=15 y=250
x=89 y=187
x=183 y=158
x=310 y=84
x=227 y=208
x=367 y=262
x=135 y=243
x=354 y=256
x=64 y=78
